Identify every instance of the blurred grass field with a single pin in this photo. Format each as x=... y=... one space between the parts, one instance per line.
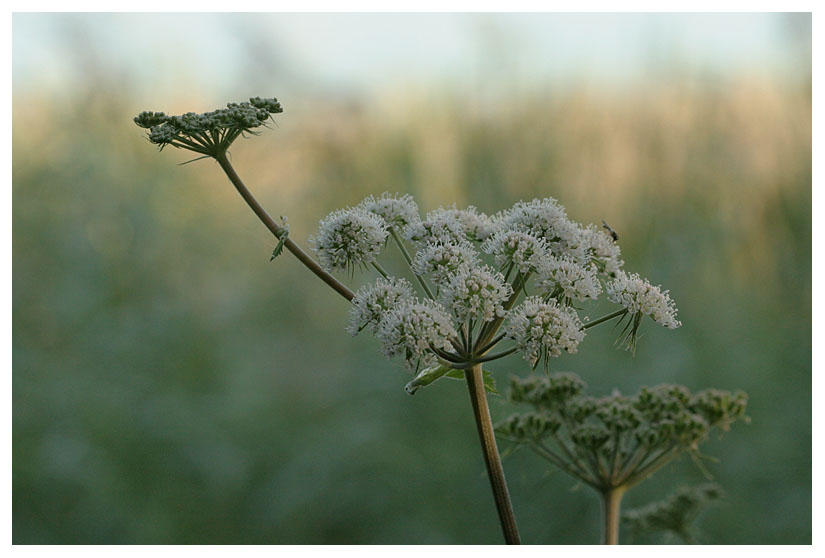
x=172 y=386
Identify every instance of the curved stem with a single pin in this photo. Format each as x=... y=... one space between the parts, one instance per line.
x=478 y=397
x=612 y=499
x=278 y=231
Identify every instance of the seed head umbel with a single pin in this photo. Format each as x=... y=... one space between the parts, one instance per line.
x=210 y=133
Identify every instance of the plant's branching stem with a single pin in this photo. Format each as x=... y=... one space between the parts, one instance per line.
x=278 y=231
x=490 y=345
x=574 y=466
x=495 y=356
x=380 y=269
x=478 y=397
x=490 y=328
x=575 y=460
x=557 y=460
x=603 y=319
x=652 y=467
x=408 y=259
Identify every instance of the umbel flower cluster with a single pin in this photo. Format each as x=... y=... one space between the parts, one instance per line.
x=517 y=277
x=209 y=133
x=675 y=514
x=617 y=441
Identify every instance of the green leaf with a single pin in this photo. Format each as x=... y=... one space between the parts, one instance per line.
x=425 y=378
x=280 y=247
x=489 y=381
x=433 y=373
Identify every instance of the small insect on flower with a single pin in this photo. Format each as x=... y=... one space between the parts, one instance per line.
x=612 y=233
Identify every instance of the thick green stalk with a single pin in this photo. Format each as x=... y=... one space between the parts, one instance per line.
x=278 y=231
x=612 y=502
x=478 y=397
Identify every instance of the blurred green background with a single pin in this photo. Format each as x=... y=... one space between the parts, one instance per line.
x=172 y=386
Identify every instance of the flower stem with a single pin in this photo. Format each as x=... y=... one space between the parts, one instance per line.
x=603 y=319
x=478 y=397
x=612 y=501
x=278 y=231
x=408 y=259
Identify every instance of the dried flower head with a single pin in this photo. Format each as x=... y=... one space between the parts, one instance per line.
x=371 y=302
x=476 y=293
x=210 y=133
x=348 y=238
x=543 y=329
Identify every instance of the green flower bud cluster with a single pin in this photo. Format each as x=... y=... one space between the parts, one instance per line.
x=615 y=441
x=675 y=514
x=210 y=133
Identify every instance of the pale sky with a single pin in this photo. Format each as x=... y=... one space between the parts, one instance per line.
x=363 y=53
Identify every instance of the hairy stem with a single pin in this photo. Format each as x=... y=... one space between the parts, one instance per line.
x=478 y=397
x=612 y=499
x=278 y=231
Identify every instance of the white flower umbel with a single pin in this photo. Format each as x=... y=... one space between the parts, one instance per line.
x=442 y=258
x=476 y=293
x=564 y=279
x=348 y=238
x=412 y=327
x=638 y=296
x=477 y=226
x=547 y=219
x=516 y=247
x=603 y=250
x=397 y=210
x=439 y=224
x=371 y=302
x=543 y=329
